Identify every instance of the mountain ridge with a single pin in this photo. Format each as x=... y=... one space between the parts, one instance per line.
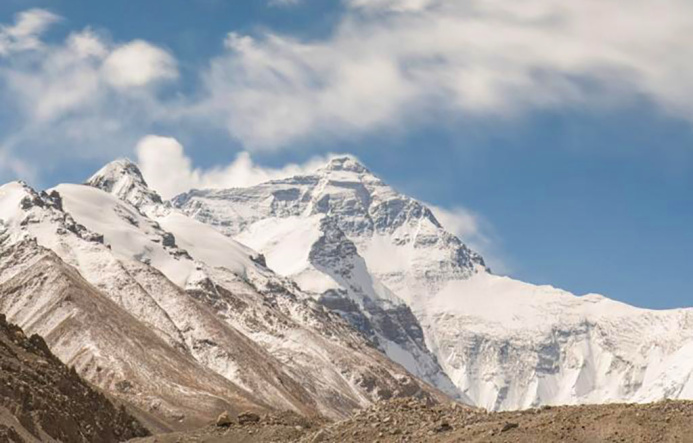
x=41 y=399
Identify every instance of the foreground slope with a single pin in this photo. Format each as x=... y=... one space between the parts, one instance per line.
x=504 y=344
x=41 y=399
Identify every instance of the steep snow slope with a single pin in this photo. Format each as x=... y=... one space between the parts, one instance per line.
x=122 y=179
x=505 y=344
x=324 y=262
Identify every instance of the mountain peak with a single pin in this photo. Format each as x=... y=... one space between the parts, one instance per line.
x=116 y=170
x=345 y=163
x=124 y=179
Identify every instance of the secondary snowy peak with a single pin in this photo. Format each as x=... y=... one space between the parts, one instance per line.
x=133 y=200
x=124 y=179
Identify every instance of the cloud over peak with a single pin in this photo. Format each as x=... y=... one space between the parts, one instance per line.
x=389 y=63
x=170 y=171
x=138 y=63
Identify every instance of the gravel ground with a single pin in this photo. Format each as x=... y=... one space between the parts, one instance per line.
x=411 y=421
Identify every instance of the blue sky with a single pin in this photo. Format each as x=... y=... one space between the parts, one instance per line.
x=557 y=141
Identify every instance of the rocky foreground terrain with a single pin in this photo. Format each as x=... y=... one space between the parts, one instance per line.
x=408 y=420
x=41 y=399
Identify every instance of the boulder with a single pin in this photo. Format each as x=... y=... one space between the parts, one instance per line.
x=224 y=420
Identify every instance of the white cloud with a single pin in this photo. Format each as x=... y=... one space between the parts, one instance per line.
x=393 y=62
x=169 y=171
x=84 y=73
x=460 y=221
x=84 y=97
x=62 y=79
x=476 y=232
x=139 y=63
x=389 y=64
x=284 y=3
x=391 y=5
x=12 y=168
x=25 y=33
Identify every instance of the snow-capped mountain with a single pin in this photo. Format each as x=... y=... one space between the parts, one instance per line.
x=172 y=316
x=382 y=261
x=299 y=240
x=319 y=294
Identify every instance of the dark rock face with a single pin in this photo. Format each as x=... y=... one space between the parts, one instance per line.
x=49 y=399
x=378 y=320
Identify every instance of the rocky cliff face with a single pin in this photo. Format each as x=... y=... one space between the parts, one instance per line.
x=376 y=256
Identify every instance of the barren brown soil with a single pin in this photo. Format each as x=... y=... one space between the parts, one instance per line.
x=411 y=421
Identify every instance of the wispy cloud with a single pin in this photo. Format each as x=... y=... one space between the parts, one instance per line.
x=476 y=232
x=392 y=62
x=25 y=33
x=284 y=3
x=83 y=73
x=85 y=96
x=389 y=64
